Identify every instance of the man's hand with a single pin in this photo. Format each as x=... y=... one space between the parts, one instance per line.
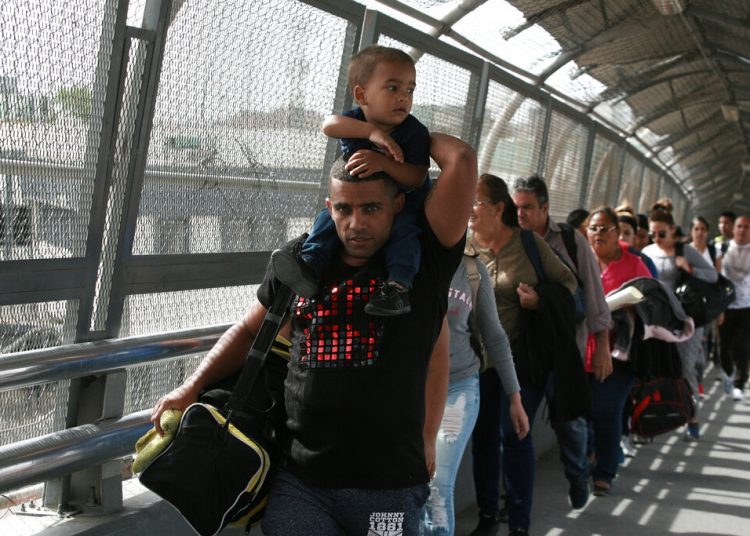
x=528 y=297
x=518 y=416
x=430 y=455
x=179 y=399
x=385 y=142
x=364 y=163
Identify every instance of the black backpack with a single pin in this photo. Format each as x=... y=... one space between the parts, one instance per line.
x=661 y=405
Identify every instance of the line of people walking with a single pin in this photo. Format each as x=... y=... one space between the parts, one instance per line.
x=525 y=256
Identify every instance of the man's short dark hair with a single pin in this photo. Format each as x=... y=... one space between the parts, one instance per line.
x=577 y=217
x=533 y=184
x=363 y=63
x=339 y=172
x=728 y=214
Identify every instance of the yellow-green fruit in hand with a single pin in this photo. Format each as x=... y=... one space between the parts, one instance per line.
x=151 y=444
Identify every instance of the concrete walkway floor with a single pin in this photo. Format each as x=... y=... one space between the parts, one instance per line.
x=669 y=487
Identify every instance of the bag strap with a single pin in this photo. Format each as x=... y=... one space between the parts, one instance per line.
x=474 y=277
x=712 y=253
x=569 y=240
x=679 y=251
x=259 y=350
x=532 y=252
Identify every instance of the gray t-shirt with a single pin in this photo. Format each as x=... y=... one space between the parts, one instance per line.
x=669 y=273
x=464 y=362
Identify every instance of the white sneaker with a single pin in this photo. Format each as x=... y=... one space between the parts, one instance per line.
x=727 y=382
x=627 y=448
x=737 y=394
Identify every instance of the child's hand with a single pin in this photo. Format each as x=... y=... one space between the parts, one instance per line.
x=364 y=163
x=385 y=142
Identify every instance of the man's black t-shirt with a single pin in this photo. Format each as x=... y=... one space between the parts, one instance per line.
x=356 y=384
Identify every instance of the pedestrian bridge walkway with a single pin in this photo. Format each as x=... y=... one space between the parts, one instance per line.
x=669 y=487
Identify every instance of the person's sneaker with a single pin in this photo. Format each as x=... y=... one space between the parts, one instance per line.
x=390 y=299
x=692 y=432
x=642 y=440
x=627 y=447
x=518 y=532
x=728 y=383
x=737 y=394
x=488 y=526
x=701 y=392
x=294 y=273
x=578 y=494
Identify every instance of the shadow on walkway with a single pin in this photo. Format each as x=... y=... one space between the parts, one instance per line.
x=669 y=487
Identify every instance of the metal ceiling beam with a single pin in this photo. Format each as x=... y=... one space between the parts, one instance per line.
x=690 y=131
x=445 y=25
x=623 y=28
x=731 y=90
x=732 y=56
x=694 y=98
x=721 y=131
x=713 y=16
x=730 y=157
x=627 y=92
x=725 y=170
x=540 y=16
x=701 y=145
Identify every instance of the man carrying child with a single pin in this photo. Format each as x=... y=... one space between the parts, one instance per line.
x=380 y=135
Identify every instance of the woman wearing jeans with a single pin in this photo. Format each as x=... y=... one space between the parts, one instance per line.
x=462 y=405
x=497 y=236
x=618 y=265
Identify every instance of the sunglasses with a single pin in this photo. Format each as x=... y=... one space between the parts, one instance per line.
x=600 y=229
x=661 y=234
x=479 y=203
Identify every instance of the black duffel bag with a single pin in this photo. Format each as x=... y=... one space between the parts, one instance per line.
x=216 y=470
x=705 y=301
x=701 y=300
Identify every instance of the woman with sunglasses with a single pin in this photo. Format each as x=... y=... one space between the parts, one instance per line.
x=672 y=269
x=618 y=264
x=497 y=238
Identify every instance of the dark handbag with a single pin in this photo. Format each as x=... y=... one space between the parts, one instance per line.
x=215 y=471
x=661 y=405
x=701 y=300
x=705 y=301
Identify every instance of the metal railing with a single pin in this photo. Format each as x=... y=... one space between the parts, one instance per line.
x=61 y=453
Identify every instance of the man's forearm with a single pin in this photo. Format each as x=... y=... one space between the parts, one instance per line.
x=229 y=352
x=449 y=203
